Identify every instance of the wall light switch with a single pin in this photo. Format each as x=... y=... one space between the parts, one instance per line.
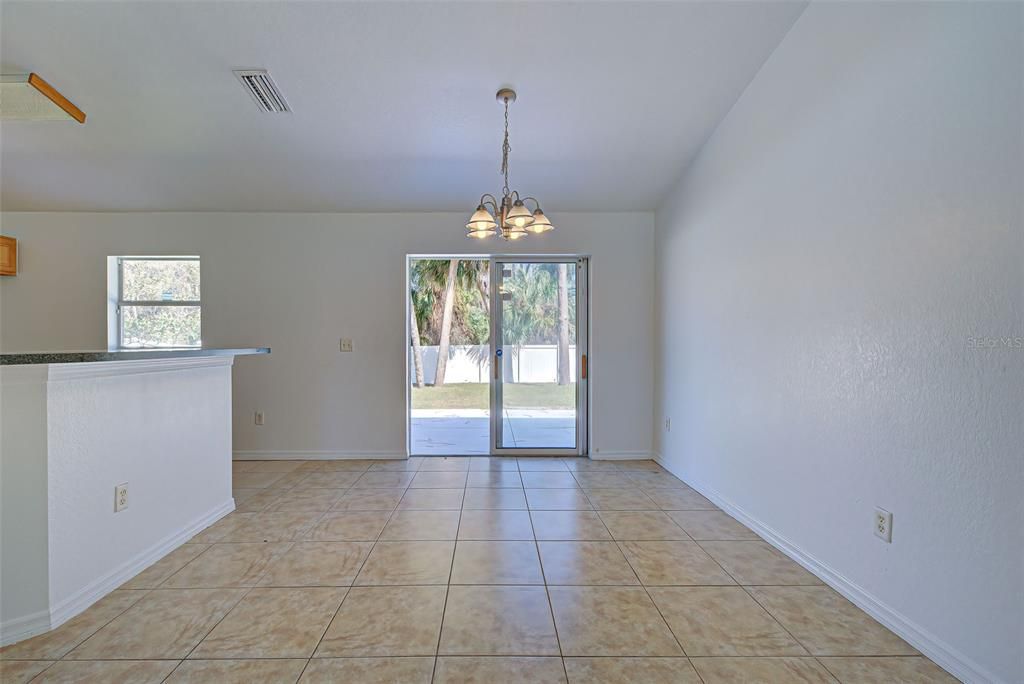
x=346 y=344
x=259 y=417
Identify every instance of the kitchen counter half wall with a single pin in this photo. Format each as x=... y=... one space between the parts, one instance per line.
x=24 y=358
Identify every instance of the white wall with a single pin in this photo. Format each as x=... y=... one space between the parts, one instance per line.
x=298 y=282
x=853 y=221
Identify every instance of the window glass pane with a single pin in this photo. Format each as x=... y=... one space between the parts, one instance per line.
x=159 y=280
x=160 y=326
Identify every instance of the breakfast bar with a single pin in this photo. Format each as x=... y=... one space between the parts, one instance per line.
x=108 y=461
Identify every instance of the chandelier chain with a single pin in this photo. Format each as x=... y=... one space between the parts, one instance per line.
x=505 y=149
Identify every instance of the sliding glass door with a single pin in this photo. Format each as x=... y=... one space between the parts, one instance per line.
x=539 y=355
x=497 y=355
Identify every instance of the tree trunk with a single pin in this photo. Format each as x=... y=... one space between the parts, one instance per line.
x=563 y=324
x=417 y=351
x=446 y=322
x=482 y=285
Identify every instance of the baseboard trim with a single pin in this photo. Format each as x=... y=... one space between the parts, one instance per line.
x=315 y=455
x=621 y=456
x=944 y=655
x=28 y=626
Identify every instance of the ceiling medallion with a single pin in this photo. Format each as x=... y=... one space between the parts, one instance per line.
x=516 y=220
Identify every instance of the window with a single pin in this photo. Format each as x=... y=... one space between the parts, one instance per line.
x=158 y=302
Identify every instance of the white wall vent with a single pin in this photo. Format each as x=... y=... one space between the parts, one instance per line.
x=263 y=90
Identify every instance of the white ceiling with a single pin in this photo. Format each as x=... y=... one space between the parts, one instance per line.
x=393 y=102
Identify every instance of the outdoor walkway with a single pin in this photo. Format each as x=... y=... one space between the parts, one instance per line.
x=438 y=432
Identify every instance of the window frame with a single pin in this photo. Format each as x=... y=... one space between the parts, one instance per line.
x=121 y=301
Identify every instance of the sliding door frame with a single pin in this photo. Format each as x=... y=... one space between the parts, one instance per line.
x=582 y=265
x=582 y=348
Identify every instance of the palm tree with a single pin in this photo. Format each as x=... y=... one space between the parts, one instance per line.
x=417 y=351
x=563 y=324
x=446 y=321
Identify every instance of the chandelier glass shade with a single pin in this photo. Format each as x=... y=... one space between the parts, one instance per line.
x=509 y=217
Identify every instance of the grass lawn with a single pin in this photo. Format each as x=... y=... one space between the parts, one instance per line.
x=475 y=395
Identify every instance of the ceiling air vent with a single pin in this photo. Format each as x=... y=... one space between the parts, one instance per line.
x=263 y=90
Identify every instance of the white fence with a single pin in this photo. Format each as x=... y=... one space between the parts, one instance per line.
x=472 y=363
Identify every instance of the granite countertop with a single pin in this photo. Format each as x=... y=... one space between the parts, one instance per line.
x=122 y=355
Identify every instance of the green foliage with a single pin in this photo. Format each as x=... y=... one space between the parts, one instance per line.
x=160 y=280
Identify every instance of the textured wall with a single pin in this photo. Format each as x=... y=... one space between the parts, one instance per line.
x=821 y=271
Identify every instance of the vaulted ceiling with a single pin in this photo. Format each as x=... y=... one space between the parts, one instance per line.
x=393 y=103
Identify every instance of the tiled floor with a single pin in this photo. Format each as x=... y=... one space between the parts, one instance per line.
x=470 y=570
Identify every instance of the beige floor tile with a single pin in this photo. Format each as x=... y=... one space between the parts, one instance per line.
x=493 y=463
x=267 y=466
x=214 y=532
x=56 y=643
x=610 y=621
x=289 y=481
x=416 y=670
x=328 y=479
x=134 y=671
x=384 y=480
x=317 y=564
x=255 y=480
x=369 y=500
x=633 y=465
x=165 y=623
x=385 y=621
x=495 y=479
x=656 y=480
x=634 y=670
x=828 y=624
x=407 y=562
x=673 y=563
x=21 y=671
x=642 y=526
x=498 y=621
x=557 y=500
x=260 y=502
x=404 y=464
x=579 y=464
x=240 y=494
x=421 y=525
x=541 y=464
x=680 y=500
x=266 y=527
x=620 y=499
x=496 y=562
x=495 y=525
x=504 y=499
x=355 y=465
x=758 y=562
x=722 y=621
x=788 y=670
x=237 y=671
x=273 y=623
x=439 y=479
x=569 y=526
x=906 y=670
x=711 y=526
x=498 y=670
x=155 y=574
x=456 y=463
x=349 y=526
x=548 y=480
x=585 y=562
x=432 y=499
x=301 y=499
x=227 y=565
x=601 y=479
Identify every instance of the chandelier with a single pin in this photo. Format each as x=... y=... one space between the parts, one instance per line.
x=514 y=219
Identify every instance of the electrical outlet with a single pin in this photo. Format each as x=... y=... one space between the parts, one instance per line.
x=346 y=344
x=259 y=417
x=883 y=525
x=668 y=425
x=120 y=497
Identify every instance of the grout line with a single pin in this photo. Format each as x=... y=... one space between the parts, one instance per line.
x=448 y=586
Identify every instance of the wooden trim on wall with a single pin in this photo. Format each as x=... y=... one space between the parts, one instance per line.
x=49 y=91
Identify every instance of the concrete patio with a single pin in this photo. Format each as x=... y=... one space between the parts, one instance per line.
x=448 y=432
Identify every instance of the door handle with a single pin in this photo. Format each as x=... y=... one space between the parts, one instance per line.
x=583 y=367
x=496 y=364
